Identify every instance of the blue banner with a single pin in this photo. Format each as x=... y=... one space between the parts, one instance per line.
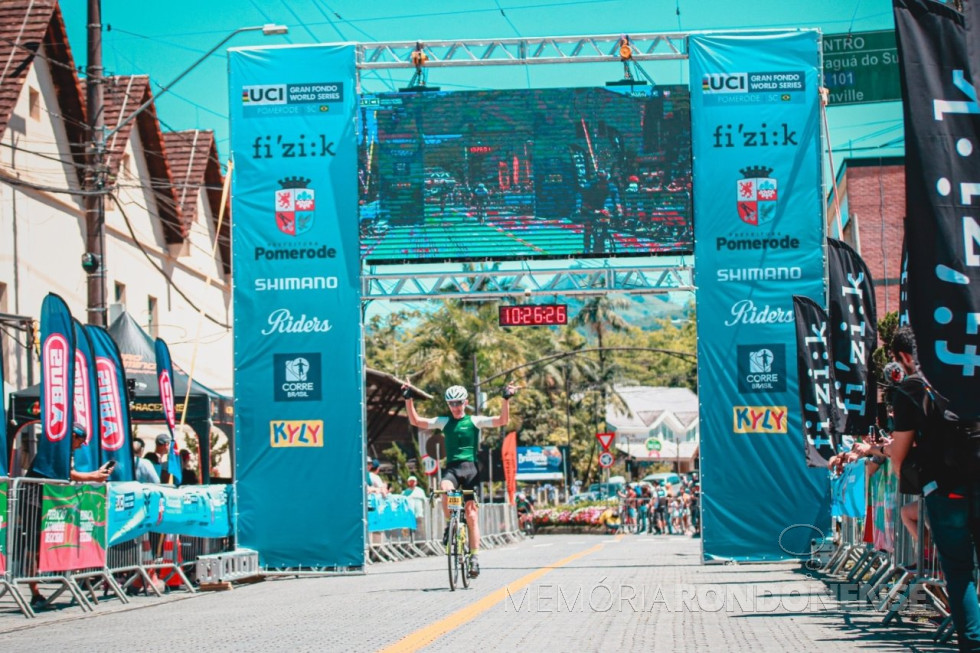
x=165 y=382
x=86 y=457
x=389 y=513
x=299 y=382
x=849 y=491
x=194 y=510
x=540 y=464
x=53 y=457
x=114 y=436
x=759 y=239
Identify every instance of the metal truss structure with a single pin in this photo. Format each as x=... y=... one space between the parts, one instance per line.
x=521 y=51
x=497 y=284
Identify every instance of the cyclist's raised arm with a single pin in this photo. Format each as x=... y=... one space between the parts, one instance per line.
x=414 y=418
x=504 y=417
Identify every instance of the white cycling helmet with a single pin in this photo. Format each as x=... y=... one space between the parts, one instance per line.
x=456 y=393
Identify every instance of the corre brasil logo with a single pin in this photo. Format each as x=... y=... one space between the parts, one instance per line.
x=296 y=433
x=762 y=368
x=297 y=377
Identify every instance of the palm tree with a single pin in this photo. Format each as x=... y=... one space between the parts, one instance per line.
x=598 y=316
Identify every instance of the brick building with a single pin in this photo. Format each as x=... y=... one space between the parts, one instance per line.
x=871 y=195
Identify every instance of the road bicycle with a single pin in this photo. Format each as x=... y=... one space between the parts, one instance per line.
x=458 y=542
x=527 y=523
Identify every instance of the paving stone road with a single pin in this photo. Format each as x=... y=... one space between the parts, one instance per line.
x=559 y=592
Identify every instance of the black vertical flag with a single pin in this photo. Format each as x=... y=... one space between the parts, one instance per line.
x=853 y=335
x=942 y=191
x=822 y=416
x=903 y=285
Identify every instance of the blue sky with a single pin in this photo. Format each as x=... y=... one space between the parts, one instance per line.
x=162 y=39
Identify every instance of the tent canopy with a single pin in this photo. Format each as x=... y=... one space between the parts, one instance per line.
x=205 y=406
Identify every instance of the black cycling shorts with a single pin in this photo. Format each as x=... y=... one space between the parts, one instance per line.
x=463 y=475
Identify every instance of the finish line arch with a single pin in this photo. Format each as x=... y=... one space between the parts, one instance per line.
x=758 y=231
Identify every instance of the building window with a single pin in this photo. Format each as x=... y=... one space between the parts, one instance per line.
x=120 y=289
x=34 y=103
x=151 y=315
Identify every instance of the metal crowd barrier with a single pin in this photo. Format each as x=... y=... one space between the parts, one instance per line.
x=145 y=563
x=895 y=581
x=497 y=522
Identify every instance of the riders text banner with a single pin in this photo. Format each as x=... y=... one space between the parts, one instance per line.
x=299 y=382
x=759 y=239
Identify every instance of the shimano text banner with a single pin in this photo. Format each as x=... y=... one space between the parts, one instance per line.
x=759 y=239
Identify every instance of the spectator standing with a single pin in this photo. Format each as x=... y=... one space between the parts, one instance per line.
x=376 y=484
x=188 y=473
x=952 y=498
x=416 y=498
x=158 y=457
x=144 y=470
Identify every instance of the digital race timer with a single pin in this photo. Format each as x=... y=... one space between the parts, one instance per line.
x=534 y=315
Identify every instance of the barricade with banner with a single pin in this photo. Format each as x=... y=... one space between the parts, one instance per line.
x=195 y=510
x=760 y=239
x=73 y=527
x=54 y=533
x=415 y=534
x=878 y=560
x=389 y=513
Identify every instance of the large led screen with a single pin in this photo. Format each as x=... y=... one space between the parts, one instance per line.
x=525 y=174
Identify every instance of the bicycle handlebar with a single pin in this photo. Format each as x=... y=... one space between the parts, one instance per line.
x=463 y=492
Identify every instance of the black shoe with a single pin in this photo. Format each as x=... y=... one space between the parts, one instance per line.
x=445 y=536
x=37 y=601
x=474 y=567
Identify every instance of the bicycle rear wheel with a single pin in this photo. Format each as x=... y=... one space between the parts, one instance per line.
x=464 y=554
x=453 y=555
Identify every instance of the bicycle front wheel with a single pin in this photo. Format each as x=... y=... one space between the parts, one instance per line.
x=453 y=555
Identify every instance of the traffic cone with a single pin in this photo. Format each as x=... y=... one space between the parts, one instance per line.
x=171 y=543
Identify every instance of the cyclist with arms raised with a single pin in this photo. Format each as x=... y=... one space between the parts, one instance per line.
x=462 y=434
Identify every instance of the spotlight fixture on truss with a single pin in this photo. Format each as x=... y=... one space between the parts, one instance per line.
x=630 y=67
x=418 y=82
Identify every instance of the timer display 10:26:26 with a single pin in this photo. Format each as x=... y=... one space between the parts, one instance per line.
x=533 y=315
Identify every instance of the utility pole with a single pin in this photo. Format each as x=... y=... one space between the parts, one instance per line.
x=94 y=257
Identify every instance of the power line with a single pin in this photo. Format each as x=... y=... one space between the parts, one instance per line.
x=159 y=269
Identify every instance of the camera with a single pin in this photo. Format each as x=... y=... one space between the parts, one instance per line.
x=91 y=262
x=893 y=373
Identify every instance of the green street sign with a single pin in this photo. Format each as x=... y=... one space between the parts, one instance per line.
x=861 y=67
x=653 y=444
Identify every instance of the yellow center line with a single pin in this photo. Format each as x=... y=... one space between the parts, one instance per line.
x=425 y=636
